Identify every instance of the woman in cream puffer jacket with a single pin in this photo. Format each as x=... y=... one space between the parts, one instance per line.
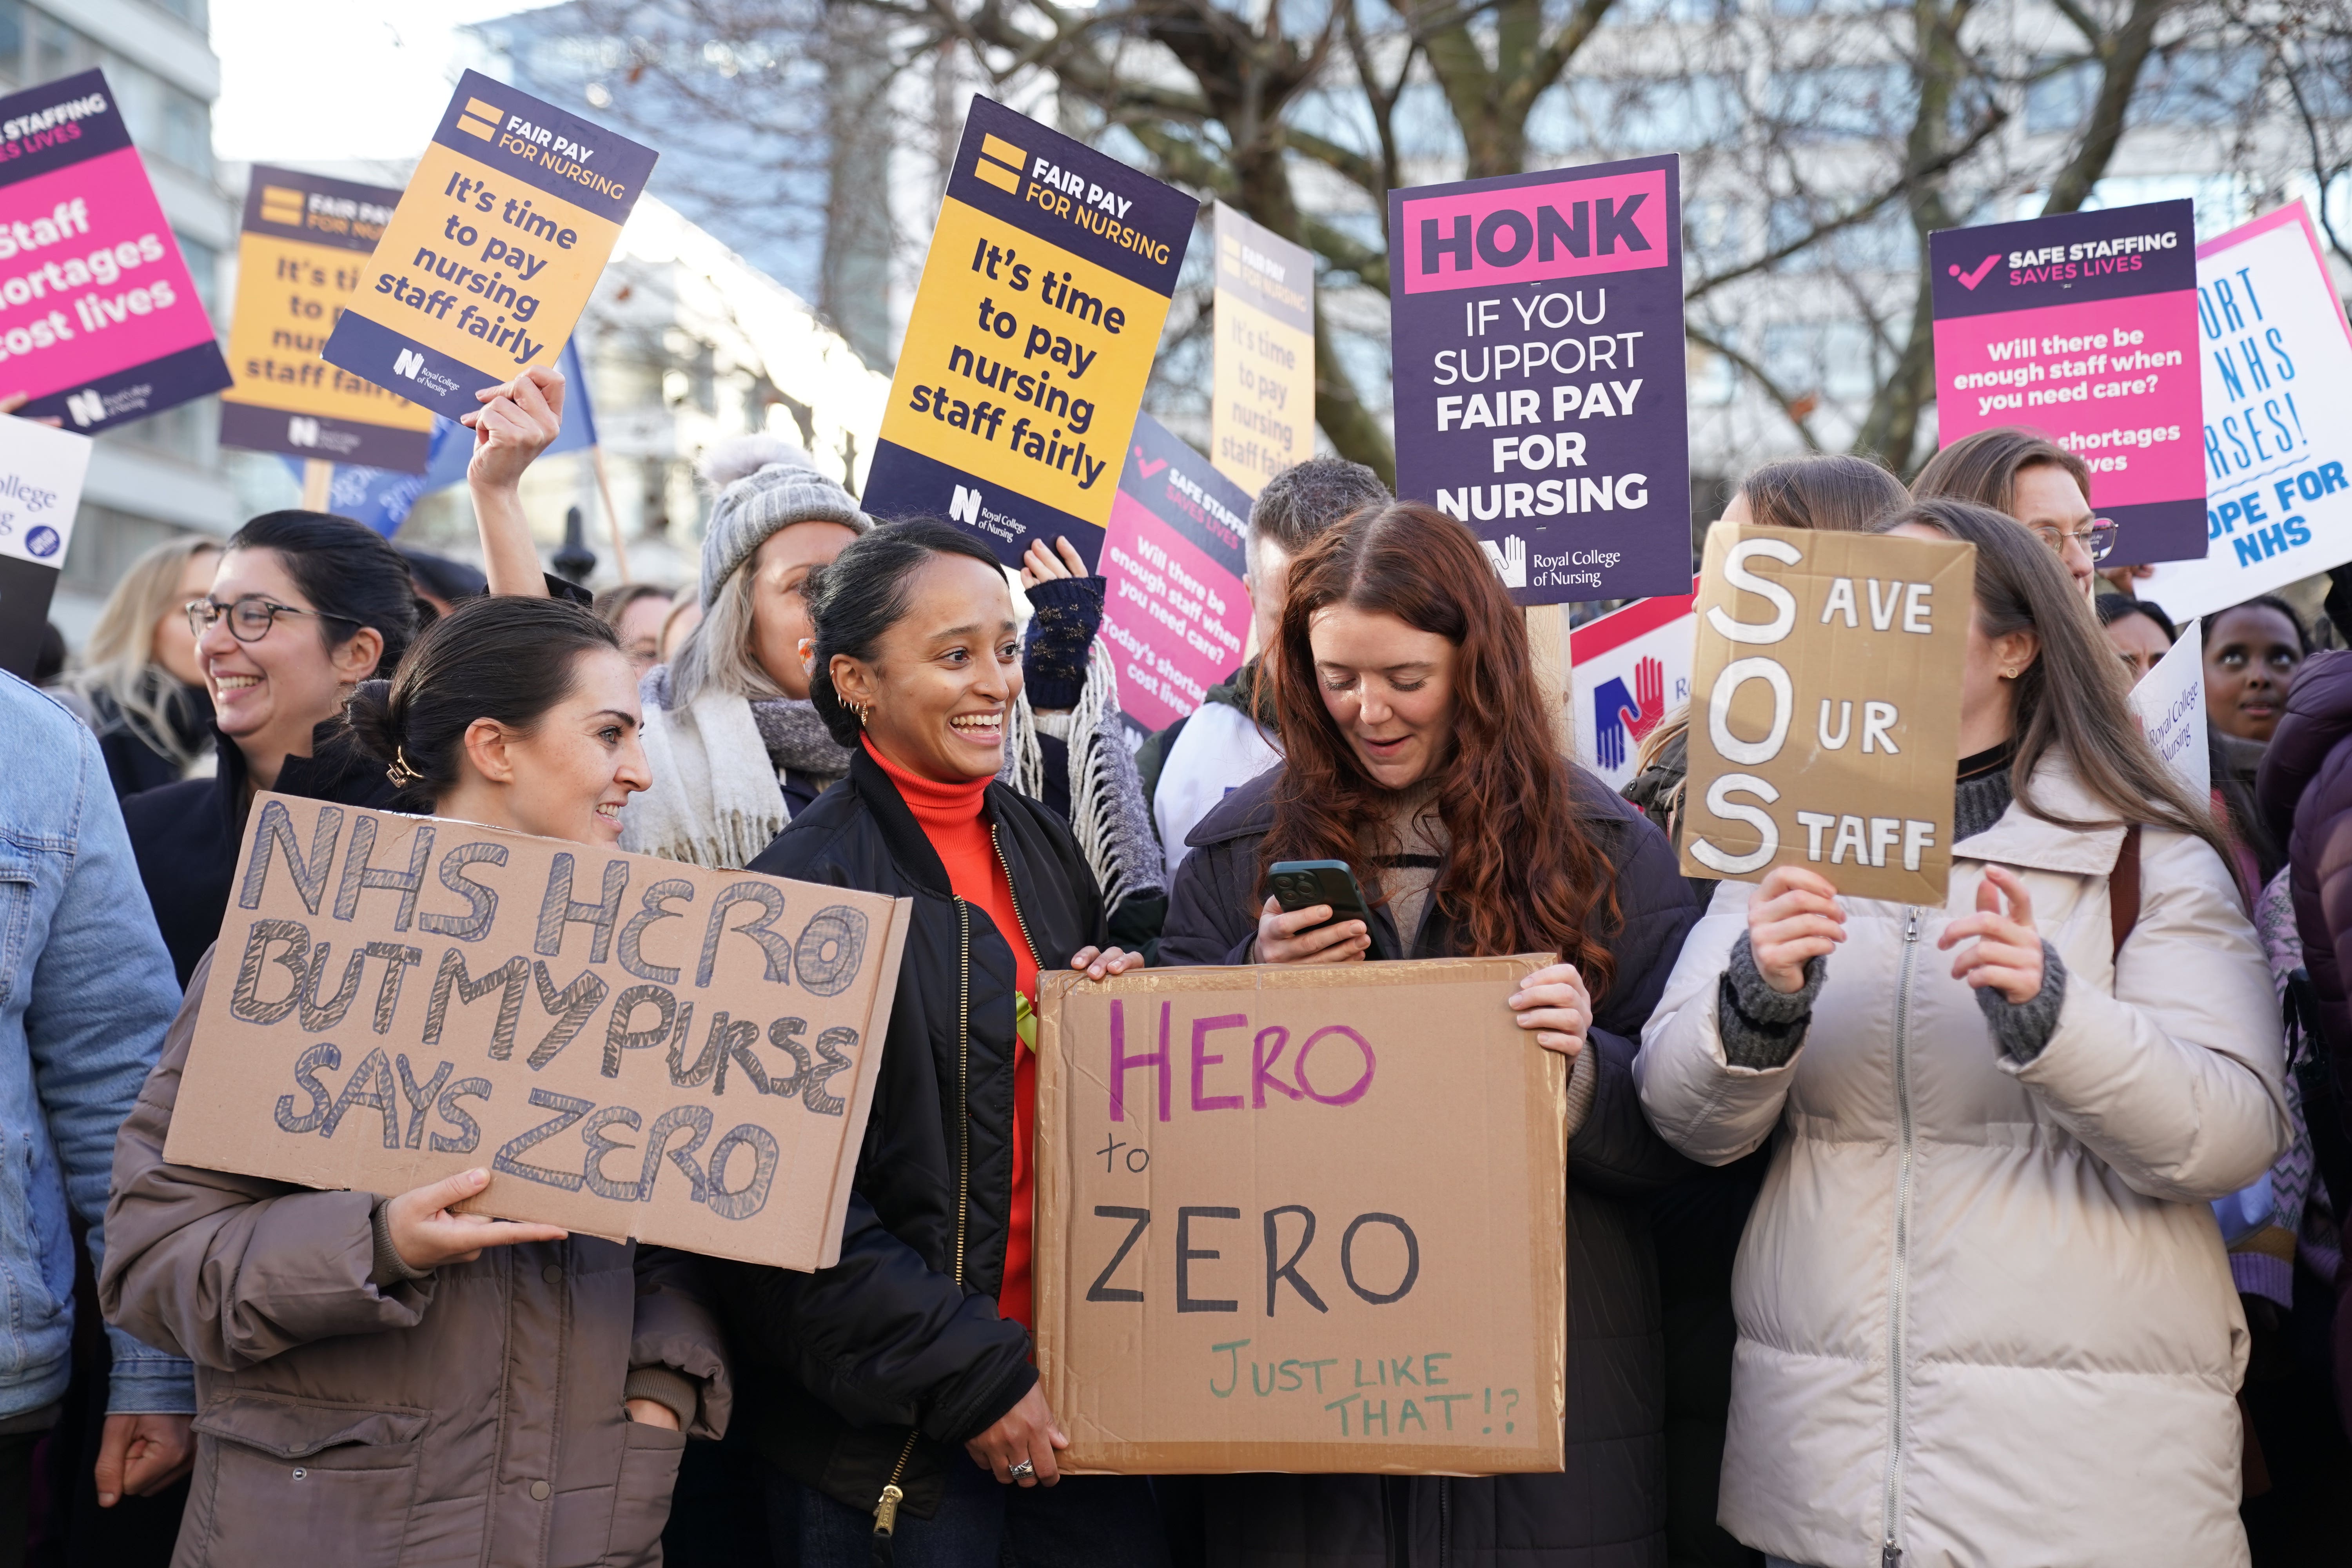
x=1985 y=1316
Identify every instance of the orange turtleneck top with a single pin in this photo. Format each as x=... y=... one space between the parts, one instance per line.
x=949 y=816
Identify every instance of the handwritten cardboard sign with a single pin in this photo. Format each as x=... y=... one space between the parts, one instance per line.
x=305 y=244
x=1262 y=408
x=1031 y=337
x=634 y=1048
x=1825 y=715
x=1538 y=321
x=99 y=322
x=2083 y=325
x=1302 y=1219
x=493 y=251
x=1174 y=604
x=2273 y=346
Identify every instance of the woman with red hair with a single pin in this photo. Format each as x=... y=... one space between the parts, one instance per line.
x=1418 y=747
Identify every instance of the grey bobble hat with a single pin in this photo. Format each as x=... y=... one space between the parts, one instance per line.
x=760 y=485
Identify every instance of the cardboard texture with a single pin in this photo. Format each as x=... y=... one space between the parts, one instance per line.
x=634 y=1048
x=1825 y=709
x=1301 y=1219
x=1262 y=400
x=304 y=244
x=1030 y=339
x=2274 y=345
x=493 y=251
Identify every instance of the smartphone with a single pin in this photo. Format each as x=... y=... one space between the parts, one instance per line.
x=1303 y=884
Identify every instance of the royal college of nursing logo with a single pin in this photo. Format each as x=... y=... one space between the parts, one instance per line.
x=1000 y=164
x=964 y=505
x=1617 y=713
x=407 y=363
x=87 y=406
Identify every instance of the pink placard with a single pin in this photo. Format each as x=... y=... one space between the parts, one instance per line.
x=2114 y=381
x=1177 y=617
x=1531 y=233
x=95 y=283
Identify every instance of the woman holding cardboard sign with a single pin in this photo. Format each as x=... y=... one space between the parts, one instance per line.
x=1419 y=749
x=387 y=1380
x=894 y=1392
x=1984 y=1314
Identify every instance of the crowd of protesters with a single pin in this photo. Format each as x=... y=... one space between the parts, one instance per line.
x=1999 y=1233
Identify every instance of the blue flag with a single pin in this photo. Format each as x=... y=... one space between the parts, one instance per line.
x=381 y=498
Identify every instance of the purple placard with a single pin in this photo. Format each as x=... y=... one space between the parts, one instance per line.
x=1538 y=329
x=2084 y=326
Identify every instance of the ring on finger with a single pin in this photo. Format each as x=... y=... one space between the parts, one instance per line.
x=1022 y=1471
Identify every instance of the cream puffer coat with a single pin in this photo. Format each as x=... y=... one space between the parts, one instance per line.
x=1985 y=1316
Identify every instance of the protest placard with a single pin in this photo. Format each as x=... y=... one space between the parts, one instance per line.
x=99 y=322
x=2169 y=702
x=1030 y=339
x=1627 y=670
x=493 y=251
x=1262 y=405
x=41 y=471
x=2084 y=326
x=306 y=240
x=1538 y=329
x=1825 y=707
x=1174 y=604
x=1239 y=1268
x=634 y=1048
x=2276 y=362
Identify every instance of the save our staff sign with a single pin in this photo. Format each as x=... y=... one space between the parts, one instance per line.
x=493 y=251
x=634 y=1048
x=1236 y=1269
x=1825 y=707
x=1030 y=340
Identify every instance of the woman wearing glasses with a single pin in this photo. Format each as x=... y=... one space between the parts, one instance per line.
x=2033 y=479
x=302 y=608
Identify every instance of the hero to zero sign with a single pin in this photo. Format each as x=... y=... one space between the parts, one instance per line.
x=1030 y=340
x=1538 y=327
x=2084 y=326
x=1235 y=1270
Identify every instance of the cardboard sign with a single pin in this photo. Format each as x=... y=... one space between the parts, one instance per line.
x=1825 y=714
x=1262 y=405
x=1173 y=604
x=1239 y=1265
x=305 y=244
x=1626 y=671
x=634 y=1048
x=99 y=322
x=1538 y=323
x=41 y=471
x=2169 y=702
x=1030 y=339
x=2276 y=355
x=2084 y=326
x=493 y=251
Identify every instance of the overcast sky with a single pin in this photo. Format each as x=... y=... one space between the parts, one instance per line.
x=354 y=79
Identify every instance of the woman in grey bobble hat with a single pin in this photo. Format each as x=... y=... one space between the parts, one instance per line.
x=734 y=745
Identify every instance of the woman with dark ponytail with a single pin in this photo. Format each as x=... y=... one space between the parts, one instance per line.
x=303 y=608
x=895 y=1395
x=387 y=1379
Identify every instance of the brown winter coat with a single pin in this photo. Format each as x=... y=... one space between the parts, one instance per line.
x=473 y=1417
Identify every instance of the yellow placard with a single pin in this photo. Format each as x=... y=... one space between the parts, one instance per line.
x=288 y=295
x=1262 y=409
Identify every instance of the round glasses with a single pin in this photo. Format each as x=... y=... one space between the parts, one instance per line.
x=251 y=618
x=2097 y=537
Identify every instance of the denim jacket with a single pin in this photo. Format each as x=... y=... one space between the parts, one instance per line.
x=86 y=993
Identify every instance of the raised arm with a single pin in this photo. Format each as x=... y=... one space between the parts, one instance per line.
x=518 y=421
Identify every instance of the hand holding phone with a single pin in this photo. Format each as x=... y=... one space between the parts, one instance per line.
x=1317 y=914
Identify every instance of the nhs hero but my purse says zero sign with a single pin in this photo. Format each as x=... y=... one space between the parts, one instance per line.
x=634 y=1048
x=1825 y=712
x=1538 y=325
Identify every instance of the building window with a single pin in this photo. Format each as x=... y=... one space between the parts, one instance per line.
x=57 y=49
x=12 y=39
x=194 y=12
x=203 y=267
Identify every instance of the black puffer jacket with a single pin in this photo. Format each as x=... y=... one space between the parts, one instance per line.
x=879 y=1368
x=1608 y=1510
x=187 y=835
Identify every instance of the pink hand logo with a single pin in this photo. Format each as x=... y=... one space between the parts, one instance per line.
x=1650 y=692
